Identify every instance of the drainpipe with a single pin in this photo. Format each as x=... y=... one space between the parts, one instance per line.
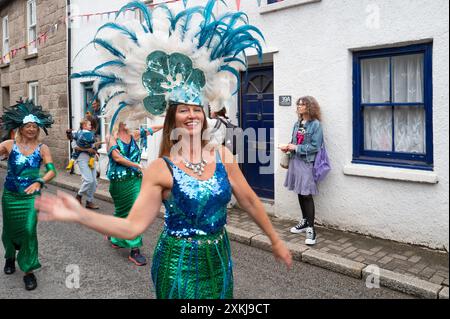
x=69 y=65
x=69 y=61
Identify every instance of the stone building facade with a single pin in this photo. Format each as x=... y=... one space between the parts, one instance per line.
x=37 y=70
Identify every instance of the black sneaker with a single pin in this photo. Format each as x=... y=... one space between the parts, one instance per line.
x=137 y=258
x=30 y=281
x=300 y=228
x=10 y=266
x=310 y=236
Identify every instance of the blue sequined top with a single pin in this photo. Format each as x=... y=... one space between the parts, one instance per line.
x=197 y=207
x=22 y=170
x=131 y=152
x=84 y=138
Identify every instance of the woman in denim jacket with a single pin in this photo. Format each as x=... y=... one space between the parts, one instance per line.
x=307 y=138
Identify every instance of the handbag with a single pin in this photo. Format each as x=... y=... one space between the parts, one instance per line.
x=322 y=165
x=284 y=160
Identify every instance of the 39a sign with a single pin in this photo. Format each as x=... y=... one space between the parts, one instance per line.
x=285 y=100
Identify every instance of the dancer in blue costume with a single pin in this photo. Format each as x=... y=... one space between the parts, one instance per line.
x=125 y=176
x=195 y=63
x=22 y=184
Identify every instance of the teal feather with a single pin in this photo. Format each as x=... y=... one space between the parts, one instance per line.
x=143 y=9
x=108 y=46
x=187 y=15
x=105 y=83
x=114 y=26
x=227 y=68
x=168 y=12
x=92 y=74
x=117 y=63
x=234 y=59
x=109 y=99
x=13 y=116
x=122 y=105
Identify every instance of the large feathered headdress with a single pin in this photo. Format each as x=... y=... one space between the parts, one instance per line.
x=191 y=57
x=26 y=112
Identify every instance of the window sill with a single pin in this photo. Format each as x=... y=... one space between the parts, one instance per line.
x=4 y=65
x=31 y=56
x=285 y=4
x=391 y=173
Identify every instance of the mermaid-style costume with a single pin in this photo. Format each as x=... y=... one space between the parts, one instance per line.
x=124 y=187
x=19 y=214
x=192 y=258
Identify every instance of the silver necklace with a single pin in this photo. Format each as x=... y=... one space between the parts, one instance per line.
x=197 y=168
x=25 y=147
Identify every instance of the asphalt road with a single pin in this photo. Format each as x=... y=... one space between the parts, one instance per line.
x=66 y=250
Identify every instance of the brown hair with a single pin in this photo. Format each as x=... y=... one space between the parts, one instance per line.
x=85 y=121
x=169 y=124
x=94 y=122
x=313 y=107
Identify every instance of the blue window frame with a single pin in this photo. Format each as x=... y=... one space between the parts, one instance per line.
x=392 y=107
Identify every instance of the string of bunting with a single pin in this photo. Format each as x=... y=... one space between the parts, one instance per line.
x=43 y=37
x=108 y=13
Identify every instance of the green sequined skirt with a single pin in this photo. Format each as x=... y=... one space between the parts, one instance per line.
x=124 y=193
x=196 y=268
x=19 y=229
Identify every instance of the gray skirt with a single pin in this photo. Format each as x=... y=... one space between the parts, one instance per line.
x=299 y=177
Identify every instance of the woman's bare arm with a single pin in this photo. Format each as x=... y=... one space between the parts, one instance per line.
x=64 y=207
x=5 y=147
x=251 y=203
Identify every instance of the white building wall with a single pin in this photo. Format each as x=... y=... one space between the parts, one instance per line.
x=314 y=57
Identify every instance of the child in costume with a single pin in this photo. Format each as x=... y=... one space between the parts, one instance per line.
x=177 y=64
x=23 y=184
x=84 y=138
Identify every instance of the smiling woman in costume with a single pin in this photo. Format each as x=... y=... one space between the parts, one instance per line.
x=22 y=184
x=178 y=64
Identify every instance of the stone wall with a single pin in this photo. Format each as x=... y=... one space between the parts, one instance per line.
x=48 y=67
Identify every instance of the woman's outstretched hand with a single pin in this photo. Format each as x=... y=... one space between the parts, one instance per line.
x=62 y=207
x=282 y=253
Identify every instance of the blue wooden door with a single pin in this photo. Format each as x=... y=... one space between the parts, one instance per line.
x=256 y=113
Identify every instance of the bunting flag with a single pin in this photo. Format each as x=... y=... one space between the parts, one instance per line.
x=238 y=4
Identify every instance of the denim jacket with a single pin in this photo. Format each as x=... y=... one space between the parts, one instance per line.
x=311 y=144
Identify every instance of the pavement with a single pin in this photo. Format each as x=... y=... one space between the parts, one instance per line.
x=409 y=269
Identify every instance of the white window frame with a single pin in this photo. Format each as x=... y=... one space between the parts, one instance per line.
x=32 y=27
x=33 y=92
x=5 y=40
